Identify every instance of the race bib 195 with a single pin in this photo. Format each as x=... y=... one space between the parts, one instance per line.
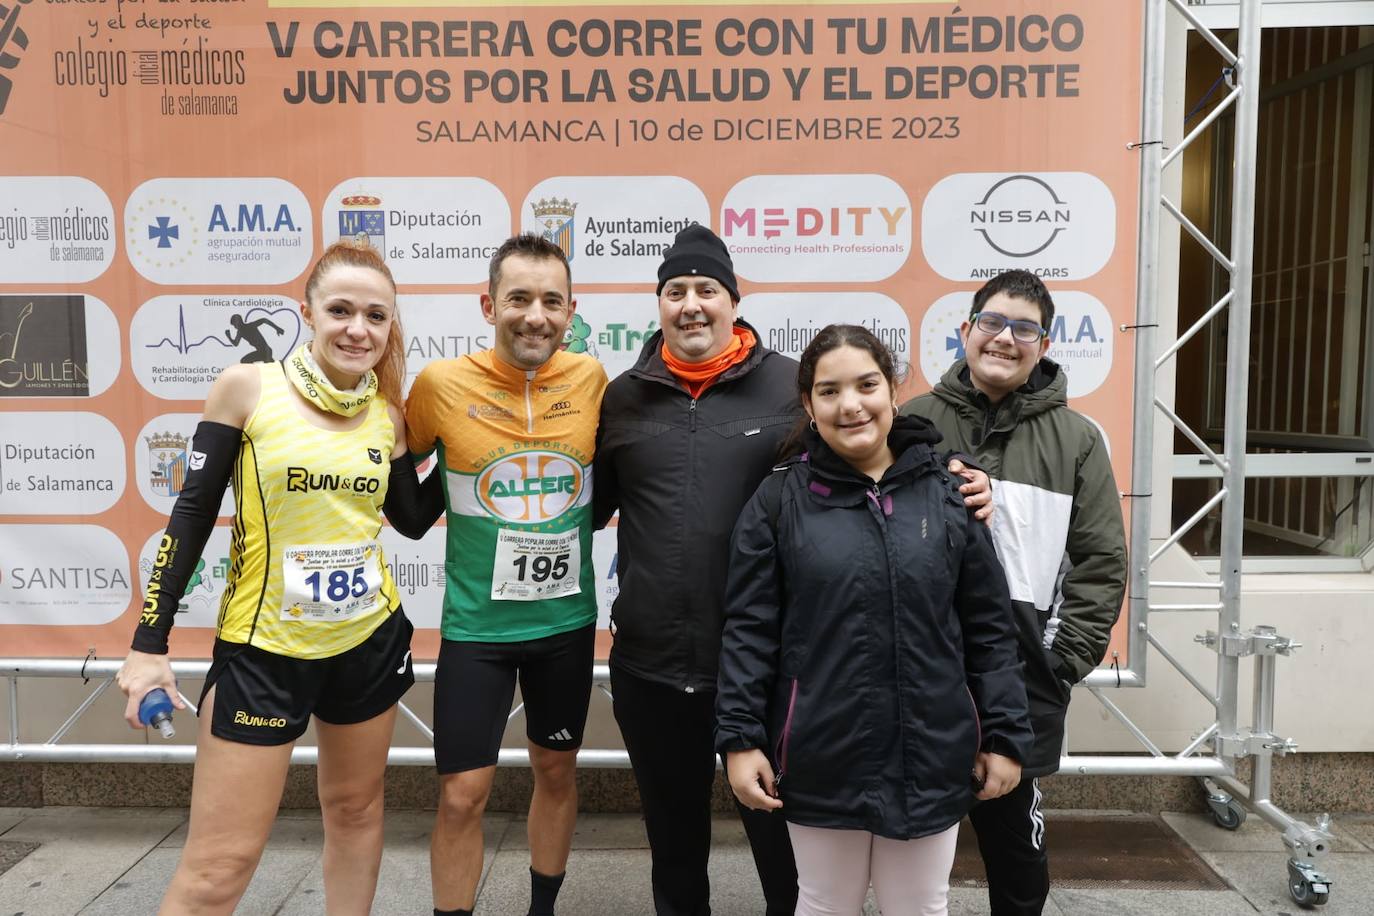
x=532 y=565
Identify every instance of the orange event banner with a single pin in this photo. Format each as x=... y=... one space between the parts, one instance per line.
x=168 y=171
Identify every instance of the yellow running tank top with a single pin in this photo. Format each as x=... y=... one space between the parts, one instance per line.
x=307 y=577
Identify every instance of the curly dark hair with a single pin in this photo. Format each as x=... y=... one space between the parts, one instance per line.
x=1019 y=284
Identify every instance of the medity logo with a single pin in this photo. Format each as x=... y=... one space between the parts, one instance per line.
x=812 y=228
x=850 y=221
x=531 y=487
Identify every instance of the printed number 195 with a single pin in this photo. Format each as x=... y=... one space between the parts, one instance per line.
x=541 y=568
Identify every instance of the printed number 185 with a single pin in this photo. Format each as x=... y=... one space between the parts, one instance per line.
x=339 y=585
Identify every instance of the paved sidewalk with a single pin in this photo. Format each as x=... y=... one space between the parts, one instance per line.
x=116 y=862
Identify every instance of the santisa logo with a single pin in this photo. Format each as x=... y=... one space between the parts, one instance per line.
x=531 y=487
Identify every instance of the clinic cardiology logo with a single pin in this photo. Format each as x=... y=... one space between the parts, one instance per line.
x=361 y=217
x=557 y=219
x=13 y=40
x=162 y=232
x=1020 y=216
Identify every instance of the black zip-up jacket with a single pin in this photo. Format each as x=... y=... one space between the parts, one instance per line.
x=869 y=648
x=680 y=469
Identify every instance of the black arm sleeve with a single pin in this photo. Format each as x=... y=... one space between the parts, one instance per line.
x=214 y=448
x=413 y=507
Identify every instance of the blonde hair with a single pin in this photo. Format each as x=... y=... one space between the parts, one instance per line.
x=391 y=368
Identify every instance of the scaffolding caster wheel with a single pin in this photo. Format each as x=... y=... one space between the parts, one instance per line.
x=1307 y=886
x=1226 y=811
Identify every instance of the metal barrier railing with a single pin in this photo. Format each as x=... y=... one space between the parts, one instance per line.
x=53 y=750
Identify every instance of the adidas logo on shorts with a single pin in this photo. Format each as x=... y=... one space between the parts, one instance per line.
x=560 y=735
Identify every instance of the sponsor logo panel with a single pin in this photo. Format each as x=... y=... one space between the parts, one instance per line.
x=235 y=231
x=53 y=229
x=431 y=230
x=441 y=327
x=199 y=606
x=614 y=229
x=1058 y=225
x=164 y=453
x=62 y=575
x=787 y=322
x=1080 y=338
x=612 y=327
x=60 y=464
x=178 y=345
x=817 y=228
x=56 y=346
x=417 y=568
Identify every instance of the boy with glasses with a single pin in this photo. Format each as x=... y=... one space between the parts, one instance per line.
x=1059 y=536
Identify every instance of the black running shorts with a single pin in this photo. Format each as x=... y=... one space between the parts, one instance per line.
x=475 y=684
x=265 y=698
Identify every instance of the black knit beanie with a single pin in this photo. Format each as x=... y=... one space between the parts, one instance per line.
x=698 y=250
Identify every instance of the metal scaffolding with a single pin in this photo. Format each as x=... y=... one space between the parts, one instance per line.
x=1228 y=741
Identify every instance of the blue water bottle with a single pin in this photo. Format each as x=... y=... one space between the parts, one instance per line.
x=155 y=709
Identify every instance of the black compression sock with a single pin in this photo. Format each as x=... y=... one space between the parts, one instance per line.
x=439 y=912
x=543 y=892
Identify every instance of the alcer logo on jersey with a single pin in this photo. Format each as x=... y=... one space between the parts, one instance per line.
x=531 y=487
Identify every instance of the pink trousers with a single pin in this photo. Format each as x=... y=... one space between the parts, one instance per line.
x=835 y=868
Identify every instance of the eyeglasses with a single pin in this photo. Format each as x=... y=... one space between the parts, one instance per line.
x=991 y=324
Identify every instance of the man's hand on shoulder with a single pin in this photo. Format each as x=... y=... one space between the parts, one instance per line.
x=976 y=490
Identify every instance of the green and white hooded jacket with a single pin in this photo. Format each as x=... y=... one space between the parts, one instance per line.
x=1057 y=529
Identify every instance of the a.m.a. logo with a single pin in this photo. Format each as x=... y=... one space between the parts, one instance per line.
x=43 y=347
x=531 y=487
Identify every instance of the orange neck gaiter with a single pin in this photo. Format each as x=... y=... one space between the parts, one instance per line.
x=697 y=377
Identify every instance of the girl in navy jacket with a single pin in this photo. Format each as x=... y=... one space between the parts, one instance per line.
x=869 y=681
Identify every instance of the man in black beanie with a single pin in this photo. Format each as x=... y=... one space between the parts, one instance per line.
x=686 y=436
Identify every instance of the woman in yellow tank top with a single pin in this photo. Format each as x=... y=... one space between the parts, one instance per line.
x=310 y=623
